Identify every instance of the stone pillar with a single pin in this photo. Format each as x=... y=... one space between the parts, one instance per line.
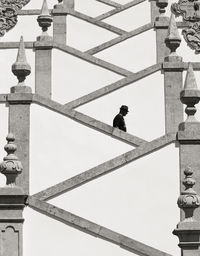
x=59 y=20
x=173 y=80
x=188 y=229
x=43 y=68
x=43 y=51
x=161 y=27
x=12 y=202
x=154 y=10
x=19 y=101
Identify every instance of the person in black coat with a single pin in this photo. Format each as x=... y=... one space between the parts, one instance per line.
x=118 y=121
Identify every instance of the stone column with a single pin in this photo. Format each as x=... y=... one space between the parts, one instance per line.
x=43 y=51
x=12 y=202
x=173 y=80
x=154 y=10
x=161 y=27
x=19 y=101
x=59 y=20
x=188 y=229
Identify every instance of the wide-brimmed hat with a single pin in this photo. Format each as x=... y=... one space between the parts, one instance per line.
x=124 y=107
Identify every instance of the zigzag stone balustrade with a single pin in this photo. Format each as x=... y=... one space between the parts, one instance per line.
x=93 y=228
x=106 y=167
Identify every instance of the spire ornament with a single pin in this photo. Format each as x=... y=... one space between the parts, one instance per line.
x=190 y=95
x=21 y=68
x=44 y=19
x=11 y=167
x=173 y=40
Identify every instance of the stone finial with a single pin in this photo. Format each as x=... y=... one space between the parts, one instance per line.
x=190 y=81
x=21 y=68
x=173 y=39
x=162 y=4
x=44 y=19
x=188 y=200
x=11 y=167
x=190 y=95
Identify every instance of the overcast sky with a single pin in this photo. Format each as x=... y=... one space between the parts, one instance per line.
x=138 y=200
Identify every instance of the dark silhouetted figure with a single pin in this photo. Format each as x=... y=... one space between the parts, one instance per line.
x=118 y=121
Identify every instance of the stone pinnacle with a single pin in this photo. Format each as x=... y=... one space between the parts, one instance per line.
x=173 y=33
x=21 y=68
x=190 y=81
x=44 y=10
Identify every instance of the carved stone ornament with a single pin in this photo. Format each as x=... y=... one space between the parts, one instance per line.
x=8 y=14
x=190 y=11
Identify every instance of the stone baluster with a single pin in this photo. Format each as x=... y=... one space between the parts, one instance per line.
x=188 y=229
x=19 y=101
x=12 y=202
x=43 y=54
x=173 y=79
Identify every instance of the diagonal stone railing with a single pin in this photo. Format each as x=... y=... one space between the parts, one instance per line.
x=105 y=167
x=113 y=87
x=110 y=3
x=87 y=120
x=119 y=9
x=92 y=228
x=120 y=39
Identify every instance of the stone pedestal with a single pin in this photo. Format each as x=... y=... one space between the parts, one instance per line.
x=43 y=55
x=161 y=26
x=189 y=139
x=19 y=124
x=59 y=24
x=173 y=83
x=11 y=221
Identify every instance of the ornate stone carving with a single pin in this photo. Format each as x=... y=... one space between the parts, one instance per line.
x=8 y=13
x=11 y=167
x=190 y=11
x=188 y=200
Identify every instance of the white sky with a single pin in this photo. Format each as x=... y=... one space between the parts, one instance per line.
x=138 y=200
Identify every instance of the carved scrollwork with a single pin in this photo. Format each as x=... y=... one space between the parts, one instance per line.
x=190 y=11
x=192 y=37
x=8 y=13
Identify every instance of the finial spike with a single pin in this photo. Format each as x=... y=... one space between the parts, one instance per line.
x=44 y=10
x=21 y=68
x=21 y=56
x=44 y=20
x=190 y=81
x=173 y=33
